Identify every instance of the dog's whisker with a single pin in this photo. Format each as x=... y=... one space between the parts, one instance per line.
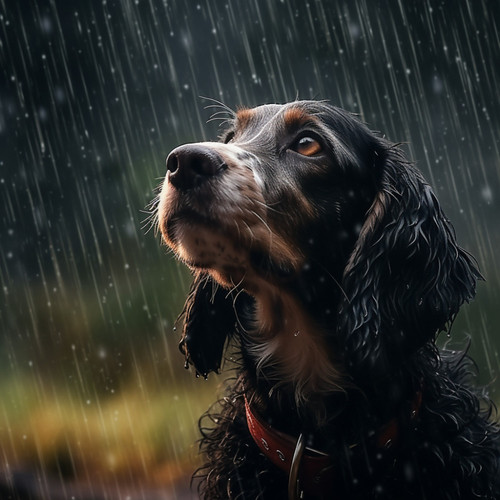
x=271 y=233
x=250 y=231
x=223 y=120
x=269 y=207
x=219 y=104
x=151 y=223
x=235 y=286
x=223 y=112
x=215 y=287
x=265 y=224
x=220 y=119
x=335 y=280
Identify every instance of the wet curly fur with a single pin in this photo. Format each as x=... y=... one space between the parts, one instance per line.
x=450 y=454
x=326 y=259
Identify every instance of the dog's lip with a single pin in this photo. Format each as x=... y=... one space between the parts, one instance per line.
x=191 y=216
x=259 y=260
x=188 y=214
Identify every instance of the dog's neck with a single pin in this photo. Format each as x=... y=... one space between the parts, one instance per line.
x=299 y=369
x=290 y=348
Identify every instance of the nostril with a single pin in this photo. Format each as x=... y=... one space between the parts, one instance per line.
x=172 y=163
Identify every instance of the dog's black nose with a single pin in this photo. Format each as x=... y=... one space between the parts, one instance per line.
x=192 y=164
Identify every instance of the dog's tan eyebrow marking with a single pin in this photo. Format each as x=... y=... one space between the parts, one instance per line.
x=243 y=116
x=296 y=117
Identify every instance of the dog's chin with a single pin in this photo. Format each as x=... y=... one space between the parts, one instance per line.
x=231 y=264
x=231 y=251
x=207 y=248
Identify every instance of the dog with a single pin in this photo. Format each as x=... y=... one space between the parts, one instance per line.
x=324 y=257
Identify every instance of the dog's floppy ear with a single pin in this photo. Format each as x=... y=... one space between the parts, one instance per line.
x=209 y=319
x=406 y=277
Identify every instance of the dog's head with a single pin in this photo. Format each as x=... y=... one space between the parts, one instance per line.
x=303 y=198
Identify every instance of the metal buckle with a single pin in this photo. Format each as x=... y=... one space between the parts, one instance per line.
x=294 y=491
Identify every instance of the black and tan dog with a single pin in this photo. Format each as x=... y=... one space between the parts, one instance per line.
x=325 y=255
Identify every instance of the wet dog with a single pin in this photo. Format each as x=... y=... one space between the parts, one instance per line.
x=326 y=258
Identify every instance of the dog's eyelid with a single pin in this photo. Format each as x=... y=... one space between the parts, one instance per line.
x=308 y=143
x=227 y=136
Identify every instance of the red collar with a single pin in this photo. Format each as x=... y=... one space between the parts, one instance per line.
x=308 y=469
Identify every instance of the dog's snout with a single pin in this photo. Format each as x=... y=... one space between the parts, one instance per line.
x=191 y=165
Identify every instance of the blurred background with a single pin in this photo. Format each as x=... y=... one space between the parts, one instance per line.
x=95 y=402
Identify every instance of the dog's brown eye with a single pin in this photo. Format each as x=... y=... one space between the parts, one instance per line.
x=307 y=146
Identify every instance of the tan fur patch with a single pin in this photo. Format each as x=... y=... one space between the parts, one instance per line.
x=244 y=116
x=295 y=117
x=291 y=348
